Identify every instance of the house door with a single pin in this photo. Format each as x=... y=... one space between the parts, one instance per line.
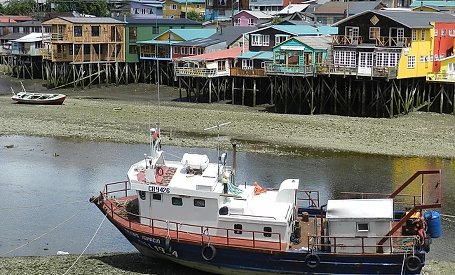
x=396 y=37
x=365 y=63
x=352 y=35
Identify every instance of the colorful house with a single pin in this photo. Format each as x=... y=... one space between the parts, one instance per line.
x=146 y=9
x=181 y=8
x=381 y=42
x=30 y=44
x=161 y=47
x=146 y=29
x=219 y=9
x=85 y=39
x=299 y=55
x=442 y=5
x=443 y=54
x=250 y=18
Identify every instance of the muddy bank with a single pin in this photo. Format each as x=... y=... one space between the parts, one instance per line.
x=122 y=114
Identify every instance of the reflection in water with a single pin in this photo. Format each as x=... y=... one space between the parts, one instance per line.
x=44 y=181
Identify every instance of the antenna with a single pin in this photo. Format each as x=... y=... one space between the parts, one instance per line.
x=218 y=138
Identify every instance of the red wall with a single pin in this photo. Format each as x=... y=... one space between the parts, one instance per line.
x=443 y=44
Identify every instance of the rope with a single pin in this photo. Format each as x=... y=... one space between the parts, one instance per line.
x=40 y=236
x=96 y=232
x=40 y=205
x=402 y=265
x=450 y=216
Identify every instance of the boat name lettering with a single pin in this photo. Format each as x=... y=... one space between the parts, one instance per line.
x=159 y=189
x=150 y=239
x=162 y=251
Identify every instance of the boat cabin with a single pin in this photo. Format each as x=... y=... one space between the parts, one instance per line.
x=350 y=220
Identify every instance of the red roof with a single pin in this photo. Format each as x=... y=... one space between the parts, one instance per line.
x=14 y=18
x=223 y=54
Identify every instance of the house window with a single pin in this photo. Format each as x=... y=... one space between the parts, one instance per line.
x=250 y=22
x=221 y=65
x=363 y=227
x=260 y=40
x=133 y=49
x=237 y=228
x=423 y=58
x=265 y=40
x=77 y=31
x=280 y=38
x=345 y=58
x=375 y=32
x=176 y=50
x=173 y=7
x=199 y=202
x=263 y=64
x=443 y=32
x=451 y=67
x=411 y=61
x=267 y=229
x=435 y=32
x=422 y=35
x=95 y=30
x=155 y=30
x=237 y=22
x=247 y=64
x=156 y=197
x=177 y=201
x=414 y=35
x=132 y=33
x=387 y=59
x=191 y=51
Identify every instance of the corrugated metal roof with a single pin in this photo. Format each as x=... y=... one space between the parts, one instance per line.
x=189 y=1
x=360 y=209
x=411 y=19
x=439 y=4
x=257 y=14
x=188 y=34
x=306 y=29
x=32 y=37
x=261 y=55
x=231 y=33
x=315 y=42
x=158 y=21
x=12 y=36
x=223 y=54
x=293 y=8
x=201 y=42
x=92 y=20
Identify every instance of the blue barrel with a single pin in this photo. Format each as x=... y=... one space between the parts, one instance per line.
x=434 y=223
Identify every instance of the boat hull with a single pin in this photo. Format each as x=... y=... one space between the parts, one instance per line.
x=54 y=101
x=231 y=260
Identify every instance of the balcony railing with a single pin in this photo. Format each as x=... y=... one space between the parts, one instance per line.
x=283 y=69
x=386 y=72
x=441 y=77
x=388 y=41
x=346 y=40
x=197 y=72
x=247 y=72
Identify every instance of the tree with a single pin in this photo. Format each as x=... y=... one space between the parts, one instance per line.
x=95 y=7
x=193 y=15
x=19 y=7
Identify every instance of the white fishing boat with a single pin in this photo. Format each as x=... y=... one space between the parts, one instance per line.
x=37 y=98
x=194 y=213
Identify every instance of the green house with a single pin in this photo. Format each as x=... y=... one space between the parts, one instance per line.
x=147 y=29
x=299 y=55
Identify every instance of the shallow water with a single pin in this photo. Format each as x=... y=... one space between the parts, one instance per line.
x=46 y=183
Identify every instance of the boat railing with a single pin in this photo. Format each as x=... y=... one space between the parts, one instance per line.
x=184 y=231
x=309 y=196
x=362 y=244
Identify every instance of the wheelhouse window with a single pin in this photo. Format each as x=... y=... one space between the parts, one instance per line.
x=156 y=197
x=177 y=201
x=142 y=195
x=363 y=227
x=237 y=228
x=267 y=229
x=77 y=31
x=199 y=202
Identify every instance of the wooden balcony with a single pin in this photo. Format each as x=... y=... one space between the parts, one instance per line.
x=346 y=40
x=248 y=72
x=387 y=41
x=195 y=72
x=384 y=72
x=283 y=69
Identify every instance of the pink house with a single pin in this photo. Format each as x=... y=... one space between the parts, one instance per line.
x=247 y=18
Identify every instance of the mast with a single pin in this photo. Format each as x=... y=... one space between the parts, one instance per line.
x=218 y=126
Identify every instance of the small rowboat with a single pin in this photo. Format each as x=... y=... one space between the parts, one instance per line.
x=37 y=98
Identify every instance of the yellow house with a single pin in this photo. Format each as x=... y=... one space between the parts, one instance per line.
x=417 y=59
x=181 y=8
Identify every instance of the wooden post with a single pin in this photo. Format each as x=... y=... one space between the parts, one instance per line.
x=392 y=91
x=272 y=87
x=254 y=92
x=243 y=91
x=441 y=102
x=210 y=90
x=180 y=90
x=233 y=90
x=363 y=97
